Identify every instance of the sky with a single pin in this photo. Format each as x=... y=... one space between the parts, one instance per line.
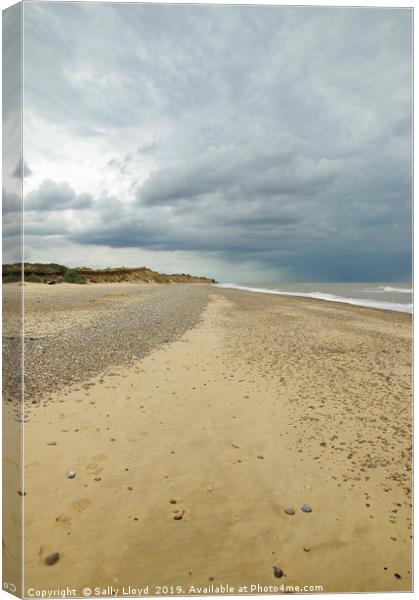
x=245 y=143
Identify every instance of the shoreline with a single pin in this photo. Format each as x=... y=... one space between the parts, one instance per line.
x=324 y=297
x=260 y=405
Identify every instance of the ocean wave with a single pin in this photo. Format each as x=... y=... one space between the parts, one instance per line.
x=400 y=290
x=380 y=304
x=386 y=288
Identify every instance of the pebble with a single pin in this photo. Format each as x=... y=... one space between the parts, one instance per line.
x=290 y=511
x=52 y=444
x=278 y=572
x=71 y=474
x=306 y=549
x=306 y=508
x=51 y=559
x=98 y=478
x=173 y=501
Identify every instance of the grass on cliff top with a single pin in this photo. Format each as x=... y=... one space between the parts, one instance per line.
x=71 y=276
x=45 y=269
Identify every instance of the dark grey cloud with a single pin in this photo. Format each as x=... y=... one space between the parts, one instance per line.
x=278 y=136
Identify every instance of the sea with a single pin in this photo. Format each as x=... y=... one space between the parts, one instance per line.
x=386 y=296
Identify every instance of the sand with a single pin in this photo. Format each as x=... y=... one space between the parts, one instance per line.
x=264 y=404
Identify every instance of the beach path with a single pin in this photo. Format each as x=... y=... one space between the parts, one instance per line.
x=265 y=405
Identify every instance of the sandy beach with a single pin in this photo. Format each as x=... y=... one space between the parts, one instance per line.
x=193 y=417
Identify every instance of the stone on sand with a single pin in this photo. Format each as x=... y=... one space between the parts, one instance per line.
x=51 y=559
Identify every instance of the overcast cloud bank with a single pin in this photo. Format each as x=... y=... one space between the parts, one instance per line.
x=245 y=143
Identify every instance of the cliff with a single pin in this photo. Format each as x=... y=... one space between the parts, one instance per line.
x=51 y=272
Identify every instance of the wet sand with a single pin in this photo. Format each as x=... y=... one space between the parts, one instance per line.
x=263 y=404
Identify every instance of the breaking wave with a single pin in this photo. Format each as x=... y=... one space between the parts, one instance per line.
x=380 y=304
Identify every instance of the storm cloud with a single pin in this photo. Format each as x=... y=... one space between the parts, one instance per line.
x=267 y=142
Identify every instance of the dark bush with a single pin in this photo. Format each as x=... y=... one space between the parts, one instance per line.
x=71 y=276
x=32 y=278
x=11 y=278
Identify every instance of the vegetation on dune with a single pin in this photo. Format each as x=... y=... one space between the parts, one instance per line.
x=32 y=278
x=71 y=276
x=11 y=278
x=45 y=268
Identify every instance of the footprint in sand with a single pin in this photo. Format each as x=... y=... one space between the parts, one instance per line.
x=94 y=468
x=64 y=519
x=81 y=504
